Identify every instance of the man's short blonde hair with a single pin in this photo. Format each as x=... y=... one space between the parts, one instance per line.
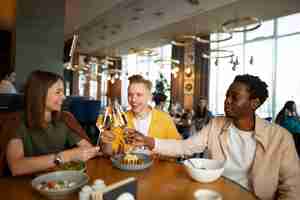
x=140 y=79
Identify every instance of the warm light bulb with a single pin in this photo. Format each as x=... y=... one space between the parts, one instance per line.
x=188 y=70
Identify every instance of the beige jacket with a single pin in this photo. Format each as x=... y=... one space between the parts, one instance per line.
x=275 y=172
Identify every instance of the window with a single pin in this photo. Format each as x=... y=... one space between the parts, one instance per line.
x=288 y=71
x=93 y=80
x=262 y=66
x=274 y=48
x=266 y=30
x=220 y=78
x=146 y=66
x=93 y=89
x=81 y=83
x=289 y=24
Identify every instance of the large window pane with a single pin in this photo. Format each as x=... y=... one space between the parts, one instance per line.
x=93 y=89
x=262 y=66
x=288 y=71
x=266 y=30
x=262 y=48
x=221 y=76
x=289 y=24
x=147 y=67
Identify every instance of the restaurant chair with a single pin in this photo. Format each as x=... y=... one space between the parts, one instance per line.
x=86 y=112
x=11 y=102
x=8 y=121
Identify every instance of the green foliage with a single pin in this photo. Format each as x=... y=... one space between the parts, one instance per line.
x=161 y=89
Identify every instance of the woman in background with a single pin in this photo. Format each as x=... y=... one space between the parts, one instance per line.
x=7 y=84
x=289 y=118
x=44 y=139
x=201 y=116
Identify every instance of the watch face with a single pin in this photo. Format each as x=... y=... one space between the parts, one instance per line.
x=57 y=160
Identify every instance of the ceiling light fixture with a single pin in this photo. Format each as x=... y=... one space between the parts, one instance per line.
x=217 y=53
x=185 y=40
x=158 y=13
x=139 y=10
x=143 y=51
x=221 y=37
x=241 y=24
x=167 y=61
x=135 y=18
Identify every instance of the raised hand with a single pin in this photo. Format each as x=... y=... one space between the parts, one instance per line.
x=138 y=139
x=107 y=137
x=134 y=137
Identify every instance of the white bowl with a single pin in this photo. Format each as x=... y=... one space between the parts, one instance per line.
x=204 y=170
x=207 y=195
x=79 y=178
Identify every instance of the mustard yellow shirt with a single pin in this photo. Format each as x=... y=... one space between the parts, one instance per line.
x=161 y=127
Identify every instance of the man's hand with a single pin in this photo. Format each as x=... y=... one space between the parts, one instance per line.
x=107 y=137
x=138 y=139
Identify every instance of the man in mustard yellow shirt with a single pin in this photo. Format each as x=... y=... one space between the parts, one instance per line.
x=143 y=118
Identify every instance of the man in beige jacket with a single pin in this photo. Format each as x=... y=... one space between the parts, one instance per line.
x=259 y=155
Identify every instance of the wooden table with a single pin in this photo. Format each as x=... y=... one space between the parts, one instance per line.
x=164 y=180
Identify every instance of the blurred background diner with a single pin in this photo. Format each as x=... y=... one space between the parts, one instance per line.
x=288 y=118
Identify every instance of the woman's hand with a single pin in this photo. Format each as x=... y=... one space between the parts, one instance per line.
x=80 y=153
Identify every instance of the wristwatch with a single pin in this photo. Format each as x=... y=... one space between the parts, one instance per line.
x=58 y=159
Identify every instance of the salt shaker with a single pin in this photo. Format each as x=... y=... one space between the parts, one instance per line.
x=85 y=193
x=99 y=185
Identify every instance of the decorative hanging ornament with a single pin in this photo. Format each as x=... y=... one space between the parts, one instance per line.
x=237 y=61
x=251 y=61
x=231 y=60
x=216 y=62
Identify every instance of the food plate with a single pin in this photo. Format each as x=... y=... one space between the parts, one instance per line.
x=58 y=185
x=73 y=165
x=144 y=162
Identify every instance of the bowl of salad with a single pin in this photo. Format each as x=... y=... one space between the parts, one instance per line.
x=73 y=165
x=60 y=184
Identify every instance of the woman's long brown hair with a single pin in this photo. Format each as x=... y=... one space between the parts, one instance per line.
x=36 y=89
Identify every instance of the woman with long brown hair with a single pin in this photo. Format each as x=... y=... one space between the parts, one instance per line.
x=43 y=139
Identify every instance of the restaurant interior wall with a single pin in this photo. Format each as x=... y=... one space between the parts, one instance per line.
x=177 y=82
x=198 y=80
x=7 y=36
x=39 y=37
x=275 y=48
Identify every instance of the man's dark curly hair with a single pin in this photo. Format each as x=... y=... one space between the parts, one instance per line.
x=257 y=87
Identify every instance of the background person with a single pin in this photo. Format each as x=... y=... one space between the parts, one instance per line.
x=289 y=118
x=201 y=116
x=7 y=84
